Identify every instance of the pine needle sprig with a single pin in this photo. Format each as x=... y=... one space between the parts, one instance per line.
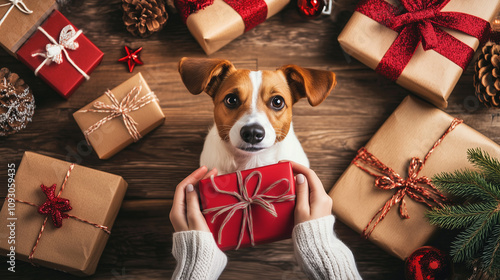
x=488 y=165
x=476 y=195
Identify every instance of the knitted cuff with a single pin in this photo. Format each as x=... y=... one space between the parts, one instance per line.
x=197 y=255
x=320 y=253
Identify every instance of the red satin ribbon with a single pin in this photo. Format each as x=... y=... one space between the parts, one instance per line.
x=420 y=21
x=417 y=188
x=253 y=12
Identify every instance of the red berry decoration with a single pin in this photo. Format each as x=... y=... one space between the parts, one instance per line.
x=428 y=263
x=310 y=9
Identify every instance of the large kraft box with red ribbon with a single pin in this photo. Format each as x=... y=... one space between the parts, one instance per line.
x=215 y=23
x=120 y=117
x=60 y=54
x=250 y=207
x=395 y=169
x=63 y=214
x=422 y=45
x=18 y=21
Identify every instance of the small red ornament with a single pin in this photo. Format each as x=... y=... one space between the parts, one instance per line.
x=428 y=263
x=132 y=58
x=310 y=9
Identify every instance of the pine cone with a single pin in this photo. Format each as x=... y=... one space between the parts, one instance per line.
x=17 y=103
x=144 y=17
x=487 y=76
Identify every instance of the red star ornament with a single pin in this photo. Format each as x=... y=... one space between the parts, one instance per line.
x=132 y=58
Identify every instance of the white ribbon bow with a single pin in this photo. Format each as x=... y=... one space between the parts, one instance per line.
x=54 y=51
x=19 y=4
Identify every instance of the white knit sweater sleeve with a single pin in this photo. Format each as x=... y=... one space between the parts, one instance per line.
x=320 y=253
x=197 y=255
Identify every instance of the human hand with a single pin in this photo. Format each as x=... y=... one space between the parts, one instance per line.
x=185 y=213
x=312 y=201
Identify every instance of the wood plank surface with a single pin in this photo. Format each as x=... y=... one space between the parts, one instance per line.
x=140 y=245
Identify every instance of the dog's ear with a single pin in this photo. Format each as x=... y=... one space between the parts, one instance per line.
x=204 y=74
x=310 y=83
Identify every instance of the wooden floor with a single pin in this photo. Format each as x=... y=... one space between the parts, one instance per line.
x=140 y=245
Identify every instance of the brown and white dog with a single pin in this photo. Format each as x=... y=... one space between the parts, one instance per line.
x=253 y=111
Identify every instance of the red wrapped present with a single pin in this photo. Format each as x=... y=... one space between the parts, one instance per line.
x=60 y=54
x=250 y=207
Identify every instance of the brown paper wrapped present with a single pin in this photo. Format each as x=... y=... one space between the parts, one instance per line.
x=120 y=116
x=76 y=246
x=429 y=74
x=21 y=20
x=411 y=131
x=218 y=23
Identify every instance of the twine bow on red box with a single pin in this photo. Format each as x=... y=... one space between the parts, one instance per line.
x=253 y=12
x=420 y=21
x=245 y=202
x=55 y=206
x=417 y=188
x=54 y=51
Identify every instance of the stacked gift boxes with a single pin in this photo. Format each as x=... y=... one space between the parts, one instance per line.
x=52 y=47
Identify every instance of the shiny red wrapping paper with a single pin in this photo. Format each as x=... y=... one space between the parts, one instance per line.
x=266 y=227
x=63 y=78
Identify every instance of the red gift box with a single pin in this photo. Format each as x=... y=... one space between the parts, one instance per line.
x=60 y=72
x=256 y=203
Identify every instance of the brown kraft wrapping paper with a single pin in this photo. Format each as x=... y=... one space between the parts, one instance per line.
x=410 y=131
x=428 y=74
x=19 y=26
x=75 y=247
x=113 y=135
x=218 y=24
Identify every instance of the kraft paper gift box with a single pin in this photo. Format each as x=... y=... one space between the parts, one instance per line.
x=21 y=20
x=109 y=131
x=66 y=71
x=94 y=197
x=276 y=187
x=429 y=74
x=411 y=131
x=217 y=22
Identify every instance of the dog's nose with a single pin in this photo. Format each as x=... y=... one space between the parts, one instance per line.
x=252 y=134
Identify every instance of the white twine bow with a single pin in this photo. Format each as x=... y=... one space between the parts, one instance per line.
x=54 y=51
x=123 y=109
x=245 y=203
x=19 y=4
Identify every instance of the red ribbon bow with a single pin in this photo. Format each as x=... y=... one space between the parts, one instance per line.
x=260 y=198
x=253 y=12
x=54 y=206
x=420 y=21
x=417 y=188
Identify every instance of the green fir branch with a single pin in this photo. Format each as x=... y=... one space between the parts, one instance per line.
x=488 y=165
x=466 y=184
x=459 y=216
x=469 y=242
x=476 y=195
x=490 y=258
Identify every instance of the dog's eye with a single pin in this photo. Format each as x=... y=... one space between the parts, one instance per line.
x=232 y=101
x=277 y=102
